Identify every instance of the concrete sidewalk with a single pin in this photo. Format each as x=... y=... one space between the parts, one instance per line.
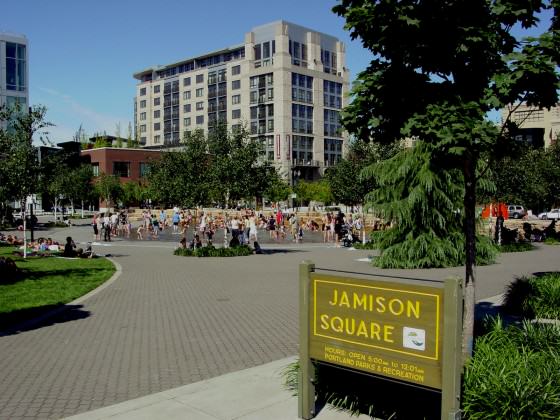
x=255 y=393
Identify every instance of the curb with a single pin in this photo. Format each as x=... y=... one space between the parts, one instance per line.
x=27 y=324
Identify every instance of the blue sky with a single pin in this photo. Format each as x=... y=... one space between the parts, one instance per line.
x=82 y=54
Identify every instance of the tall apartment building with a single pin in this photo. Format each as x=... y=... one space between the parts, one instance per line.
x=14 y=72
x=539 y=127
x=285 y=83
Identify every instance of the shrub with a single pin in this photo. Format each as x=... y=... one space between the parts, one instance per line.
x=516 y=247
x=211 y=251
x=514 y=374
x=367 y=245
x=534 y=297
x=363 y=394
x=551 y=241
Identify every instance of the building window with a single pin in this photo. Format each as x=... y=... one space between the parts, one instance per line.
x=199 y=106
x=187 y=121
x=302 y=88
x=121 y=169
x=95 y=169
x=199 y=92
x=187 y=108
x=157 y=101
x=143 y=104
x=333 y=128
x=199 y=78
x=302 y=150
x=156 y=88
x=199 y=119
x=235 y=113
x=144 y=169
x=302 y=119
x=333 y=151
x=143 y=91
x=142 y=116
x=143 y=128
x=157 y=114
x=157 y=126
x=187 y=81
x=235 y=84
x=236 y=99
x=15 y=66
x=157 y=139
x=332 y=94
x=187 y=95
x=235 y=70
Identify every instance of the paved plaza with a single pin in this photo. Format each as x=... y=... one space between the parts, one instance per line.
x=169 y=321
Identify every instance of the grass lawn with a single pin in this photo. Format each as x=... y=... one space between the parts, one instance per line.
x=48 y=282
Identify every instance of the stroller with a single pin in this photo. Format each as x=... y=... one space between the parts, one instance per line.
x=348 y=238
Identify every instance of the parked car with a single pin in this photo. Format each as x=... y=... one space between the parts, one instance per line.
x=515 y=211
x=553 y=214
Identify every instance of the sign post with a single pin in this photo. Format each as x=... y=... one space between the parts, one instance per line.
x=409 y=333
x=306 y=388
x=452 y=363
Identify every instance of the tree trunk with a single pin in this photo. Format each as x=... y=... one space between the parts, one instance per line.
x=469 y=173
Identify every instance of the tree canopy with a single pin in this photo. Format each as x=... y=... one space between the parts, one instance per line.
x=437 y=69
x=219 y=169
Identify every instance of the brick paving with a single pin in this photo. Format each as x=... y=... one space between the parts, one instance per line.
x=169 y=321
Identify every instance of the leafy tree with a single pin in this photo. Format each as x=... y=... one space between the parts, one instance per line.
x=182 y=177
x=134 y=193
x=346 y=184
x=308 y=191
x=19 y=171
x=119 y=142
x=235 y=165
x=108 y=188
x=438 y=68
x=531 y=178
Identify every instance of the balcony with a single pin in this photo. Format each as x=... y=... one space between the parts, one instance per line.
x=306 y=163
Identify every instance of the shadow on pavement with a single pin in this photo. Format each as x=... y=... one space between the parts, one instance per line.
x=280 y=251
x=34 y=318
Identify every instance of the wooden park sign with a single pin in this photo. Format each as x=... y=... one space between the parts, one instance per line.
x=402 y=332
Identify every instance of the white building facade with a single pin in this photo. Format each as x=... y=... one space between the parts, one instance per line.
x=286 y=84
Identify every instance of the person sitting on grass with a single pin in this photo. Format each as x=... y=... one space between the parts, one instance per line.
x=70 y=249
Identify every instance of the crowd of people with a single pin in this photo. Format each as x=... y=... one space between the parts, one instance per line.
x=238 y=227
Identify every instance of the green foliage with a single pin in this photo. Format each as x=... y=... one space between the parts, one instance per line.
x=367 y=245
x=344 y=179
x=551 y=241
x=514 y=374
x=308 y=191
x=133 y=193
x=109 y=188
x=19 y=171
x=182 y=177
x=210 y=251
x=534 y=297
x=101 y=141
x=362 y=394
x=277 y=188
x=223 y=168
x=531 y=178
x=421 y=196
x=516 y=247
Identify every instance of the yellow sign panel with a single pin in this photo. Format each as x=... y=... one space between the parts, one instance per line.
x=385 y=328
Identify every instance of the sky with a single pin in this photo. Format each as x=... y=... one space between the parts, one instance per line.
x=82 y=54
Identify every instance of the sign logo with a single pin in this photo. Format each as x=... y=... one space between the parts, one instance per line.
x=414 y=338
